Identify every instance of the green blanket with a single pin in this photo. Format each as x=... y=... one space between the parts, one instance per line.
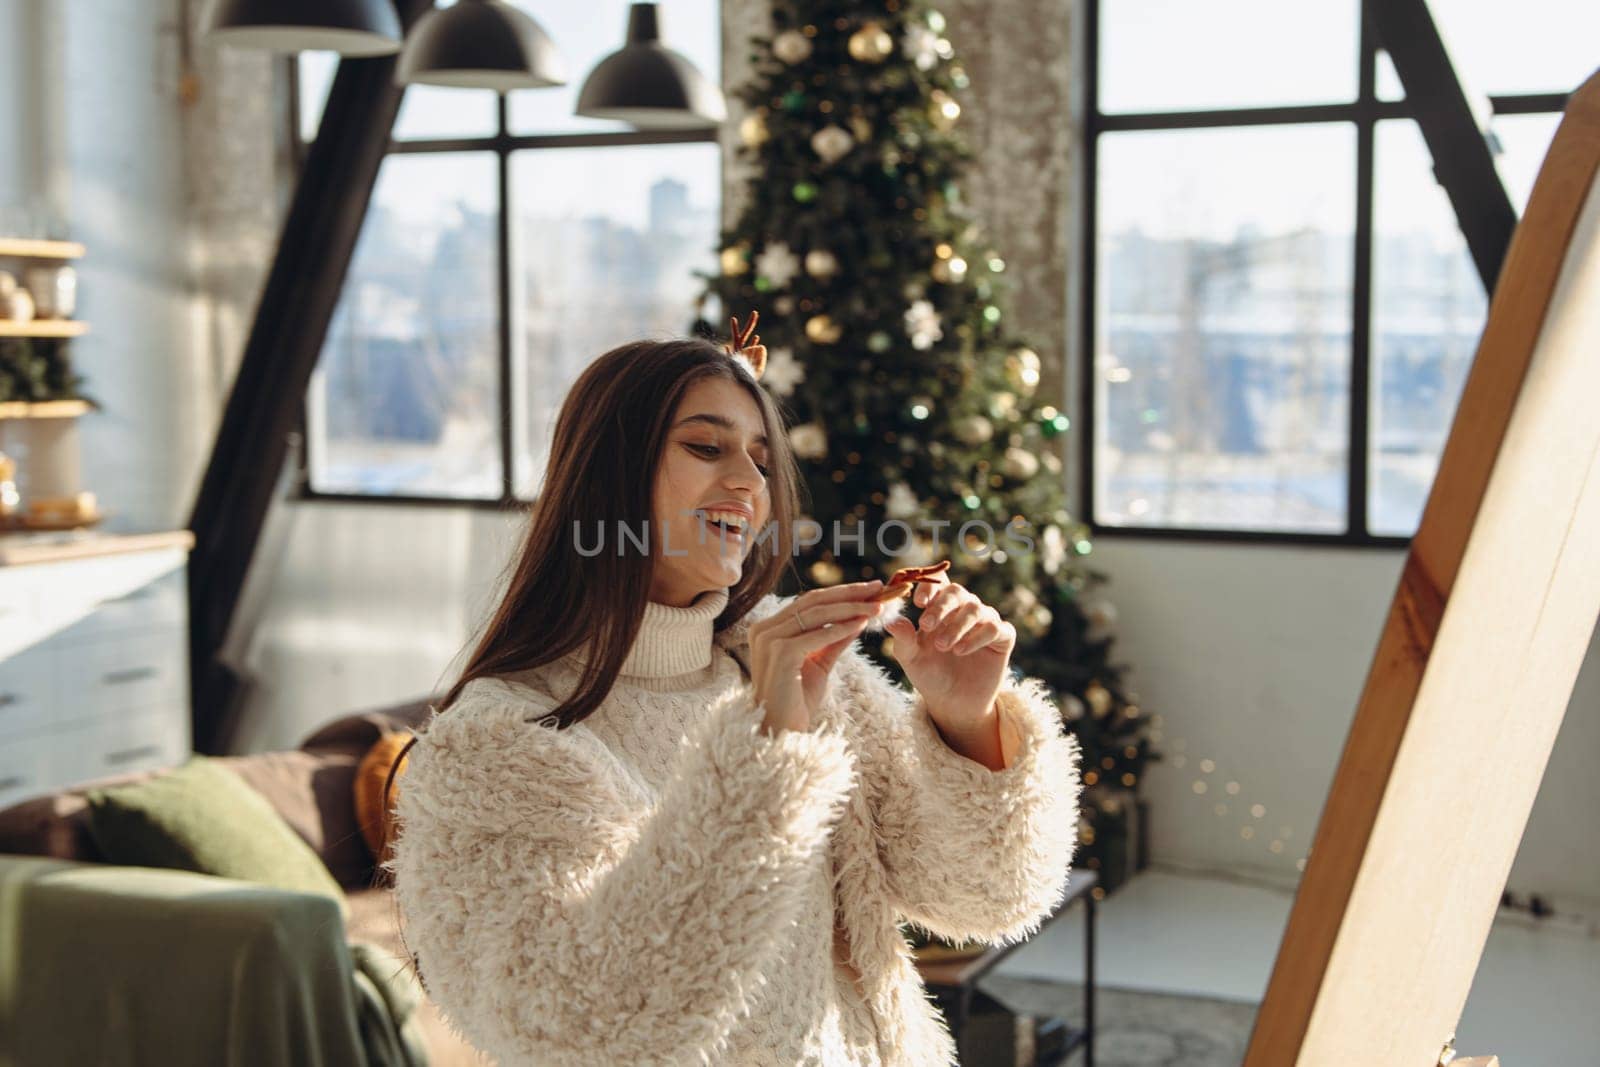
x=134 y=966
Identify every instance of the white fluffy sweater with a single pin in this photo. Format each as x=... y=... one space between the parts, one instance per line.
x=663 y=883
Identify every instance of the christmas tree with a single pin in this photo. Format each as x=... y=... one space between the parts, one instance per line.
x=912 y=403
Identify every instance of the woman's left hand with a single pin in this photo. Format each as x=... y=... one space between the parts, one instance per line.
x=959 y=681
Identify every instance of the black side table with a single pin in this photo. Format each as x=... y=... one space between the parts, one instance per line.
x=954 y=980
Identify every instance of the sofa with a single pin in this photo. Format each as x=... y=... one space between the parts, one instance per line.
x=118 y=964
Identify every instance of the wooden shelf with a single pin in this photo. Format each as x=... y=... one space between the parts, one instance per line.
x=43 y=328
x=44 y=409
x=30 y=248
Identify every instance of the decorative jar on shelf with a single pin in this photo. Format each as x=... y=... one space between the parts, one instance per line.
x=55 y=289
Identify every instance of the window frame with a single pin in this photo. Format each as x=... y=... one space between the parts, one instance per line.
x=1365 y=112
x=503 y=143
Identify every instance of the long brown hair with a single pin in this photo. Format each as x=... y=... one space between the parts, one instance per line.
x=606 y=449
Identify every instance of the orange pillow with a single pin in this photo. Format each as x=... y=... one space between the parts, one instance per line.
x=377 y=824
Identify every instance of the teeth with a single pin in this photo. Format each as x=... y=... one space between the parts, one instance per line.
x=728 y=518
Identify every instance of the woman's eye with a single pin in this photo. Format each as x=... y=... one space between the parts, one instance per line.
x=713 y=450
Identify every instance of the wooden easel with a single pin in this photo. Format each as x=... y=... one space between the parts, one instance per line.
x=1483 y=641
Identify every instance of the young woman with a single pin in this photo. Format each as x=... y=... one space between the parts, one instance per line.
x=666 y=816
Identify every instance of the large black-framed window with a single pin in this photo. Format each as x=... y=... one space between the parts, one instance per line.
x=1278 y=311
x=507 y=244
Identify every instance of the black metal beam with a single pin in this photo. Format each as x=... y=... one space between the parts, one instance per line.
x=302 y=289
x=1462 y=162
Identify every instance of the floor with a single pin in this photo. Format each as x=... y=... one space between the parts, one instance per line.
x=1534 y=1001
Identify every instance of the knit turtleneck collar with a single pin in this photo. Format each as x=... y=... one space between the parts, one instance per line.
x=674 y=641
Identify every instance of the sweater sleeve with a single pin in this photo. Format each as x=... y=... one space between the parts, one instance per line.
x=970 y=854
x=558 y=918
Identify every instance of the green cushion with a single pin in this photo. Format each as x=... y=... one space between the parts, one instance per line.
x=203 y=817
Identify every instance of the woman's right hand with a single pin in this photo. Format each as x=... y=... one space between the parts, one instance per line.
x=789 y=665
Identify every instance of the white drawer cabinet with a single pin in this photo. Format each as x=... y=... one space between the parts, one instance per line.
x=121 y=673
x=27 y=690
x=94 y=669
x=143 y=742
x=25 y=769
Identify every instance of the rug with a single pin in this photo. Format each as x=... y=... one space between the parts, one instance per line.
x=1135 y=1028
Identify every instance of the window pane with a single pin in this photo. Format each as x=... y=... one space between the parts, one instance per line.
x=1543 y=46
x=1428 y=309
x=1524 y=140
x=426 y=111
x=1178 y=55
x=1538 y=46
x=606 y=242
x=1223 y=320
x=587 y=33
x=405 y=400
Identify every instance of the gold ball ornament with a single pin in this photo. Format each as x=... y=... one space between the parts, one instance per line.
x=791 y=46
x=826 y=572
x=1019 y=464
x=832 y=143
x=733 y=260
x=822 y=330
x=861 y=127
x=1099 y=698
x=974 y=429
x=1038 y=621
x=1003 y=405
x=753 y=129
x=871 y=43
x=1022 y=370
x=820 y=263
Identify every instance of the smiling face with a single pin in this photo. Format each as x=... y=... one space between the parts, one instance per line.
x=715 y=458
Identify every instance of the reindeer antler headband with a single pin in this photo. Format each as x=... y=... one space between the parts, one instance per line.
x=746 y=345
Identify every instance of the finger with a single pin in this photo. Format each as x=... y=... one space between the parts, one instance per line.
x=946 y=600
x=824 y=621
x=956 y=623
x=794 y=648
x=852 y=592
x=829 y=655
x=906 y=645
x=984 y=632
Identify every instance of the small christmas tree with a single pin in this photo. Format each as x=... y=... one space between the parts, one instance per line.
x=911 y=399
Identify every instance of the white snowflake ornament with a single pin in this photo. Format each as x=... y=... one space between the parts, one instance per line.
x=783 y=372
x=921 y=45
x=922 y=323
x=809 y=440
x=901 y=503
x=778 y=264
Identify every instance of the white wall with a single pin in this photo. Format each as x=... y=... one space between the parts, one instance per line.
x=1255 y=657
x=167 y=191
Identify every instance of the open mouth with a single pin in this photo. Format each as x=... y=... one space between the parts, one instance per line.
x=730 y=529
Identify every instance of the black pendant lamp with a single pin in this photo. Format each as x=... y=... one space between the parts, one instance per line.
x=349 y=27
x=480 y=44
x=649 y=85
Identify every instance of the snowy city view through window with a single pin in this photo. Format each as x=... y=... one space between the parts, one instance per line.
x=604 y=243
x=1224 y=262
